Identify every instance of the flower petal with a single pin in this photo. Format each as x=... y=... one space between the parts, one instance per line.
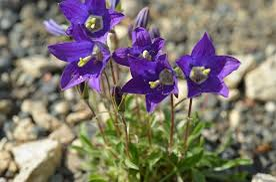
x=74 y=11
x=184 y=63
x=158 y=45
x=230 y=64
x=71 y=77
x=95 y=5
x=95 y=83
x=71 y=51
x=78 y=32
x=224 y=90
x=152 y=100
x=136 y=86
x=143 y=68
x=115 y=18
x=141 y=37
x=120 y=56
x=204 y=47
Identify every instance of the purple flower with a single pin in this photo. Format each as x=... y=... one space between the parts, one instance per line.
x=92 y=15
x=54 y=28
x=142 y=47
x=156 y=80
x=86 y=61
x=205 y=71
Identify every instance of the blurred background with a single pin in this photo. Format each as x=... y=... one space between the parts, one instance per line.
x=33 y=108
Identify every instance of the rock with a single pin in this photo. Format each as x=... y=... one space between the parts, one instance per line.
x=248 y=63
x=131 y=7
x=40 y=114
x=261 y=82
x=25 y=131
x=270 y=107
x=234 y=118
x=263 y=178
x=5 y=159
x=2 y=119
x=73 y=161
x=63 y=134
x=6 y=106
x=61 y=107
x=36 y=65
x=77 y=117
x=270 y=50
x=37 y=160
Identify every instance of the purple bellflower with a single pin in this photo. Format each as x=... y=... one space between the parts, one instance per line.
x=92 y=15
x=156 y=80
x=205 y=71
x=142 y=47
x=142 y=18
x=54 y=28
x=86 y=60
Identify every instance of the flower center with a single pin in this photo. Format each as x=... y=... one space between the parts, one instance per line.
x=146 y=55
x=96 y=53
x=165 y=78
x=94 y=23
x=199 y=74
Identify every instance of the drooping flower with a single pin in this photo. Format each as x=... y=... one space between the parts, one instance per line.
x=86 y=60
x=54 y=28
x=142 y=47
x=205 y=71
x=92 y=15
x=156 y=80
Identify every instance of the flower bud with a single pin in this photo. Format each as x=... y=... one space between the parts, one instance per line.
x=54 y=28
x=142 y=18
x=117 y=95
x=114 y=4
x=154 y=33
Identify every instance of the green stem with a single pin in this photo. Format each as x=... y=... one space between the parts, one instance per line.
x=187 y=130
x=126 y=135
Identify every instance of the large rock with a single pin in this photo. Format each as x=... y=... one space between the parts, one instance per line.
x=37 y=160
x=5 y=159
x=261 y=82
x=263 y=178
x=25 y=131
x=248 y=63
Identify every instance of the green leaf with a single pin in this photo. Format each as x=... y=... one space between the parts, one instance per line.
x=134 y=153
x=198 y=176
x=194 y=158
x=96 y=178
x=196 y=132
x=131 y=165
x=233 y=163
x=154 y=158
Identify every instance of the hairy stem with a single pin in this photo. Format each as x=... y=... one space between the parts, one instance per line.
x=126 y=135
x=172 y=125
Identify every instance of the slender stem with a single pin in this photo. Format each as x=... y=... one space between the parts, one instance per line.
x=172 y=125
x=118 y=71
x=113 y=105
x=113 y=73
x=138 y=107
x=126 y=134
x=187 y=130
x=97 y=120
x=149 y=131
x=179 y=102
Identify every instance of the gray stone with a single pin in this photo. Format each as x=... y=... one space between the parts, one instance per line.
x=63 y=134
x=77 y=117
x=25 y=131
x=37 y=160
x=6 y=106
x=131 y=7
x=248 y=63
x=40 y=114
x=261 y=82
x=61 y=107
x=263 y=178
x=5 y=159
x=36 y=65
